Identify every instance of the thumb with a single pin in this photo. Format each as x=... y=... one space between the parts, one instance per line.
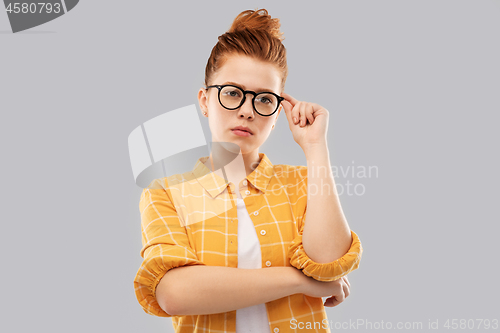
x=331 y=302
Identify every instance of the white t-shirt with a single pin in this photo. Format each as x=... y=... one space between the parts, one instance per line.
x=253 y=318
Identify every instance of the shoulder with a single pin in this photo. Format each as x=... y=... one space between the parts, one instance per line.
x=164 y=188
x=165 y=182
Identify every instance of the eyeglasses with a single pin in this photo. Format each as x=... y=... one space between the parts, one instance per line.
x=232 y=97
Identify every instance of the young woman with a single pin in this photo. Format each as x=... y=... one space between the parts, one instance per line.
x=228 y=246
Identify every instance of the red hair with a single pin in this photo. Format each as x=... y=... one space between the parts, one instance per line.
x=253 y=33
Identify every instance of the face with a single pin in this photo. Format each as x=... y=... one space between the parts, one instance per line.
x=248 y=74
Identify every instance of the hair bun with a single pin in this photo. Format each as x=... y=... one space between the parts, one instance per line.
x=257 y=20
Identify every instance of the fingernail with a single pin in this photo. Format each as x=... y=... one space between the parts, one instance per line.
x=294 y=120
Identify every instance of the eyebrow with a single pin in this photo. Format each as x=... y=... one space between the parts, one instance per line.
x=244 y=88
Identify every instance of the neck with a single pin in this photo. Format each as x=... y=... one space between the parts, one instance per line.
x=237 y=165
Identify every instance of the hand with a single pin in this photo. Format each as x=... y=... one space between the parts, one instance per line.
x=311 y=123
x=334 y=300
x=338 y=290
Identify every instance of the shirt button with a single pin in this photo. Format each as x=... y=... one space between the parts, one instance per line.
x=262 y=232
x=247 y=192
x=245 y=182
x=276 y=330
x=232 y=220
x=268 y=263
x=256 y=213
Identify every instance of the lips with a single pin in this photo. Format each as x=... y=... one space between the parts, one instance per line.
x=243 y=128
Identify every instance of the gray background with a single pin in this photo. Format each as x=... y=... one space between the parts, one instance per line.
x=412 y=88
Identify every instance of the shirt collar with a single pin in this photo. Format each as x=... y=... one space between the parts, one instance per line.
x=215 y=184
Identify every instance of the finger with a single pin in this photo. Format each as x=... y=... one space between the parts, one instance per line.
x=310 y=113
x=287 y=106
x=341 y=296
x=333 y=301
x=316 y=106
x=302 y=111
x=289 y=98
x=330 y=302
x=296 y=113
x=347 y=290
x=336 y=302
x=288 y=112
x=346 y=280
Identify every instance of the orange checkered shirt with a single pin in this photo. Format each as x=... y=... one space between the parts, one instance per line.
x=191 y=219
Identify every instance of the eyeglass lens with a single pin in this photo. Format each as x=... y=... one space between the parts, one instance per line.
x=231 y=97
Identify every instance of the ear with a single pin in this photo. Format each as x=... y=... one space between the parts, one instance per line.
x=202 y=100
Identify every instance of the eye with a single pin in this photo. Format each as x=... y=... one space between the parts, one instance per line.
x=264 y=100
x=231 y=92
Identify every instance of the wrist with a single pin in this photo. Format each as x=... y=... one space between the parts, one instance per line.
x=311 y=148
x=316 y=151
x=296 y=281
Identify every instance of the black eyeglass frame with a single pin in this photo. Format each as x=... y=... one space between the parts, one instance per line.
x=245 y=92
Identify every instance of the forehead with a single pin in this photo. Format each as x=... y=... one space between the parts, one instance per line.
x=249 y=73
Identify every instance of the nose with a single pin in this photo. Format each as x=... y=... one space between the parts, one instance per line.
x=246 y=109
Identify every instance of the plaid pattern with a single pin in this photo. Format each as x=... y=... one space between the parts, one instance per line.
x=191 y=219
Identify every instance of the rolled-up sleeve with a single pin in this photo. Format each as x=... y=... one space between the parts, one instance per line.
x=329 y=271
x=165 y=246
